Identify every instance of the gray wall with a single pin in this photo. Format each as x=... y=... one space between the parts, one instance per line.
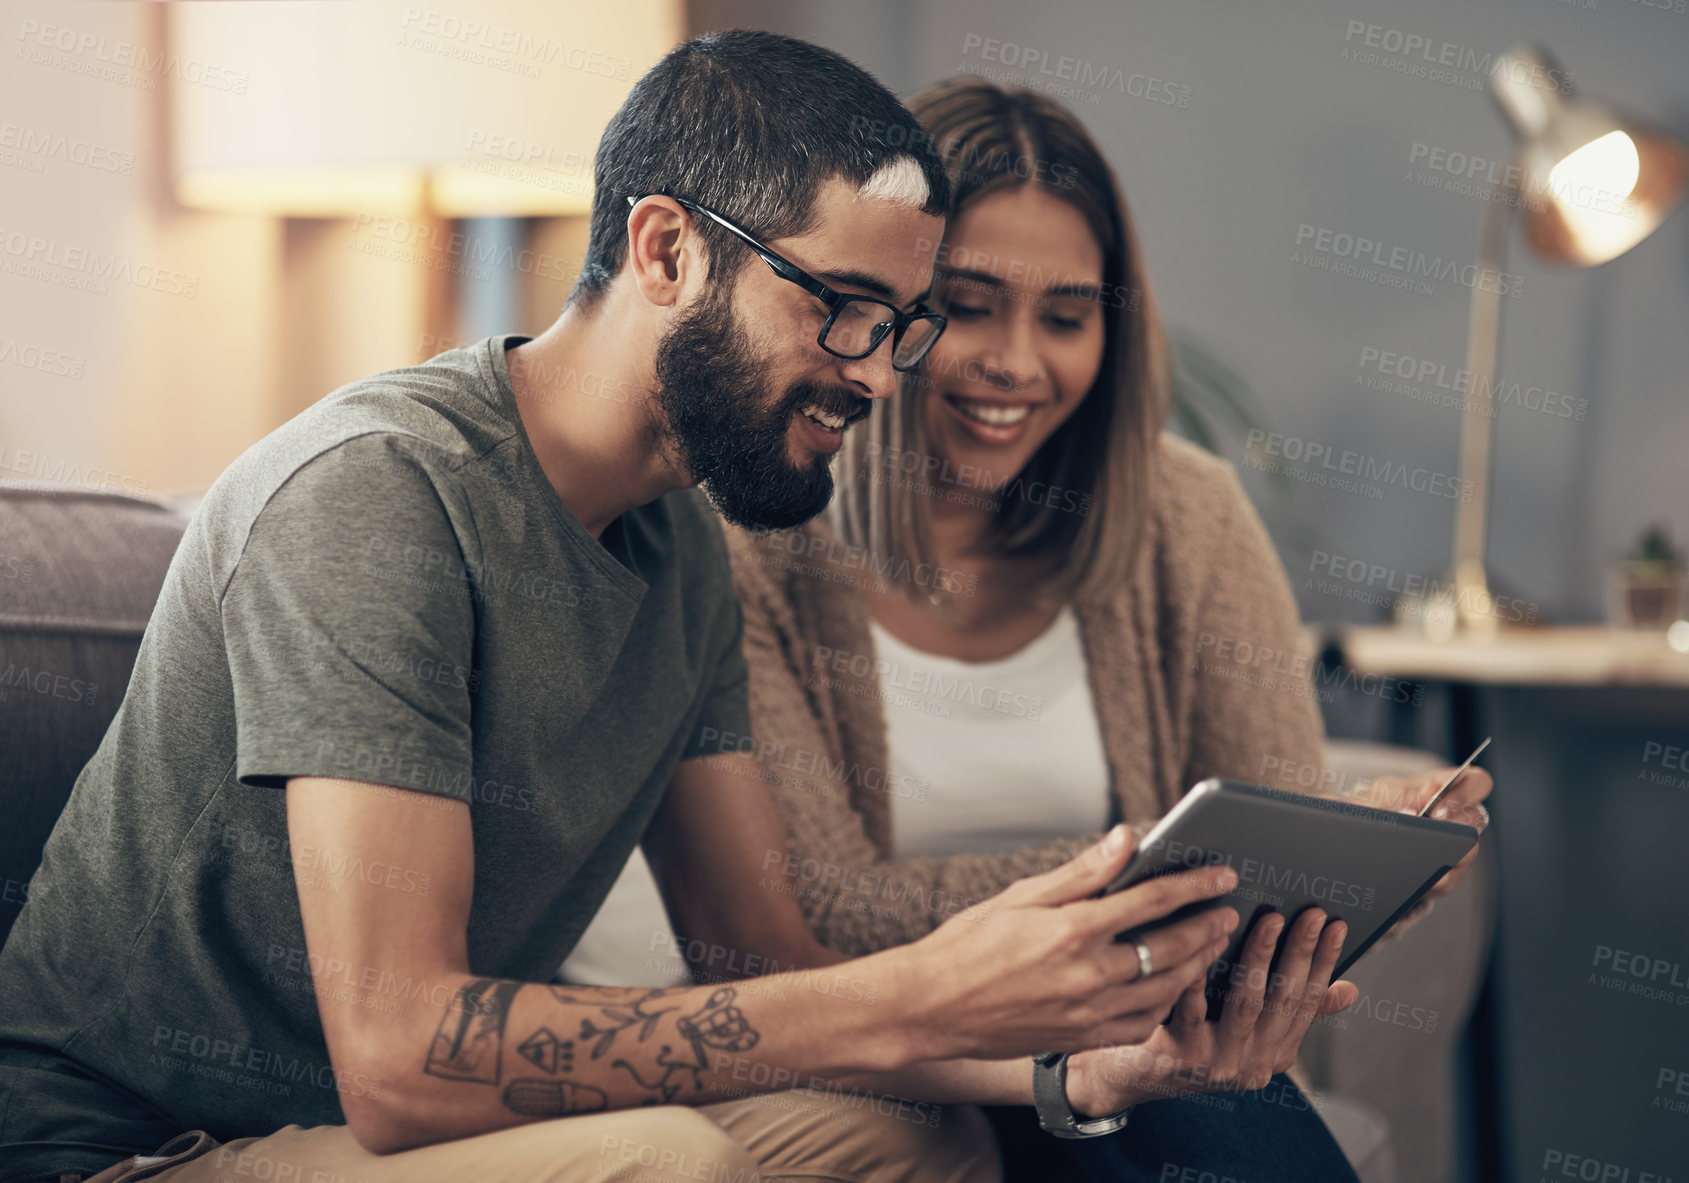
x=1279 y=132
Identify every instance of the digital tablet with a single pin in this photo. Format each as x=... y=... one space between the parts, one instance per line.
x=1293 y=851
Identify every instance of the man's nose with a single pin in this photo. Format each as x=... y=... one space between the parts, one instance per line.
x=872 y=376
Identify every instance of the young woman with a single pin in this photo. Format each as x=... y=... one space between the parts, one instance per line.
x=1028 y=614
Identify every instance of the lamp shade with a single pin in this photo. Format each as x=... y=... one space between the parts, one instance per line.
x=333 y=109
x=1596 y=180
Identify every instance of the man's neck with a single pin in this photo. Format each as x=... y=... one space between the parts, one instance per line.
x=583 y=389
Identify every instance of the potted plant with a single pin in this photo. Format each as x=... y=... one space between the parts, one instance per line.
x=1647 y=587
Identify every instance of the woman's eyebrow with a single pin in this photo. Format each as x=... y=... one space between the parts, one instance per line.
x=984 y=277
x=1084 y=291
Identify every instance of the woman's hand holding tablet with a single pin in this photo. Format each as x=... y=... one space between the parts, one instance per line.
x=1319 y=872
x=1463 y=804
x=1267 y=1011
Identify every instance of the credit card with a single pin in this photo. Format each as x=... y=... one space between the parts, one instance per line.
x=1458 y=773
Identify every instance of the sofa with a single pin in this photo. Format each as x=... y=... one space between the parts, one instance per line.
x=80 y=571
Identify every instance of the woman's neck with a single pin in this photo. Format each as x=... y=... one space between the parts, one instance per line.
x=998 y=612
x=958 y=528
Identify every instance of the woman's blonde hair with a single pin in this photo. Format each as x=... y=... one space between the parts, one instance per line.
x=1101 y=461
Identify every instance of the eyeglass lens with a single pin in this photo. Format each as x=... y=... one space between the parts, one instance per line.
x=860 y=325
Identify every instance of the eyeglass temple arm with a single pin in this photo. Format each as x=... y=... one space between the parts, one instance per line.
x=775 y=263
x=811 y=285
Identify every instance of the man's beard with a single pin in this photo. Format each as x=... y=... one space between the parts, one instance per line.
x=713 y=393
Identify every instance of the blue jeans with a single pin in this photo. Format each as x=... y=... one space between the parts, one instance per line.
x=1271 y=1135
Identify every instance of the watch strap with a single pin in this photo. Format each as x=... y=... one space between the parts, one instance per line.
x=1055 y=1114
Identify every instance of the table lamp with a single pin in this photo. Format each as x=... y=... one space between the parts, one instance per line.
x=423 y=112
x=1592 y=182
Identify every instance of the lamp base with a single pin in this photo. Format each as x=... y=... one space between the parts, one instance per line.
x=1460 y=606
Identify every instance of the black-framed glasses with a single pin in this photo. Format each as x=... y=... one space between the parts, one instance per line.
x=855 y=325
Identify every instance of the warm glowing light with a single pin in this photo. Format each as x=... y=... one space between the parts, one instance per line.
x=1677 y=636
x=458 y=192
x=439 y=116
x=1594 y=191
x=1611 y=164
x=315 y=194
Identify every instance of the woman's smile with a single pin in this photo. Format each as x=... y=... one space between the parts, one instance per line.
x=995 y=421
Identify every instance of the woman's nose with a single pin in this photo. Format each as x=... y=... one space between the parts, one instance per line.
x=1012 y=362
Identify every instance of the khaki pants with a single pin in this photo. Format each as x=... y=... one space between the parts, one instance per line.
x=780 y=1136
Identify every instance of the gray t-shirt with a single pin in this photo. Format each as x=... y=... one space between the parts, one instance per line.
x=385 y=589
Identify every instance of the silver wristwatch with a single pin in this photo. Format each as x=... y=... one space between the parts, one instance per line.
x=1055 y=1115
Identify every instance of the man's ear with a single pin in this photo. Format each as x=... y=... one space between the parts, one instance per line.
x=664 y=250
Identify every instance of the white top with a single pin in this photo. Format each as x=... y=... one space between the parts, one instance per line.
x=988 y=756
x=998 y=754
x=630 y=941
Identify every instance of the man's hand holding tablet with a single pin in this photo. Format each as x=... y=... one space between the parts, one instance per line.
x=1038 y=964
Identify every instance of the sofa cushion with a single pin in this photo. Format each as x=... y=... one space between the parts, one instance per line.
x=80 y=571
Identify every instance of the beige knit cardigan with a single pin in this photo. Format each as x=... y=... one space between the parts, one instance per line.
x=1192 y=669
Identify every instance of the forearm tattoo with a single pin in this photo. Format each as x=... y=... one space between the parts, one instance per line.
x=663 y=1049
x=470 y=1041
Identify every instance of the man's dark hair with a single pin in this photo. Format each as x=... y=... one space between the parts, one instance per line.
x=749 y=124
